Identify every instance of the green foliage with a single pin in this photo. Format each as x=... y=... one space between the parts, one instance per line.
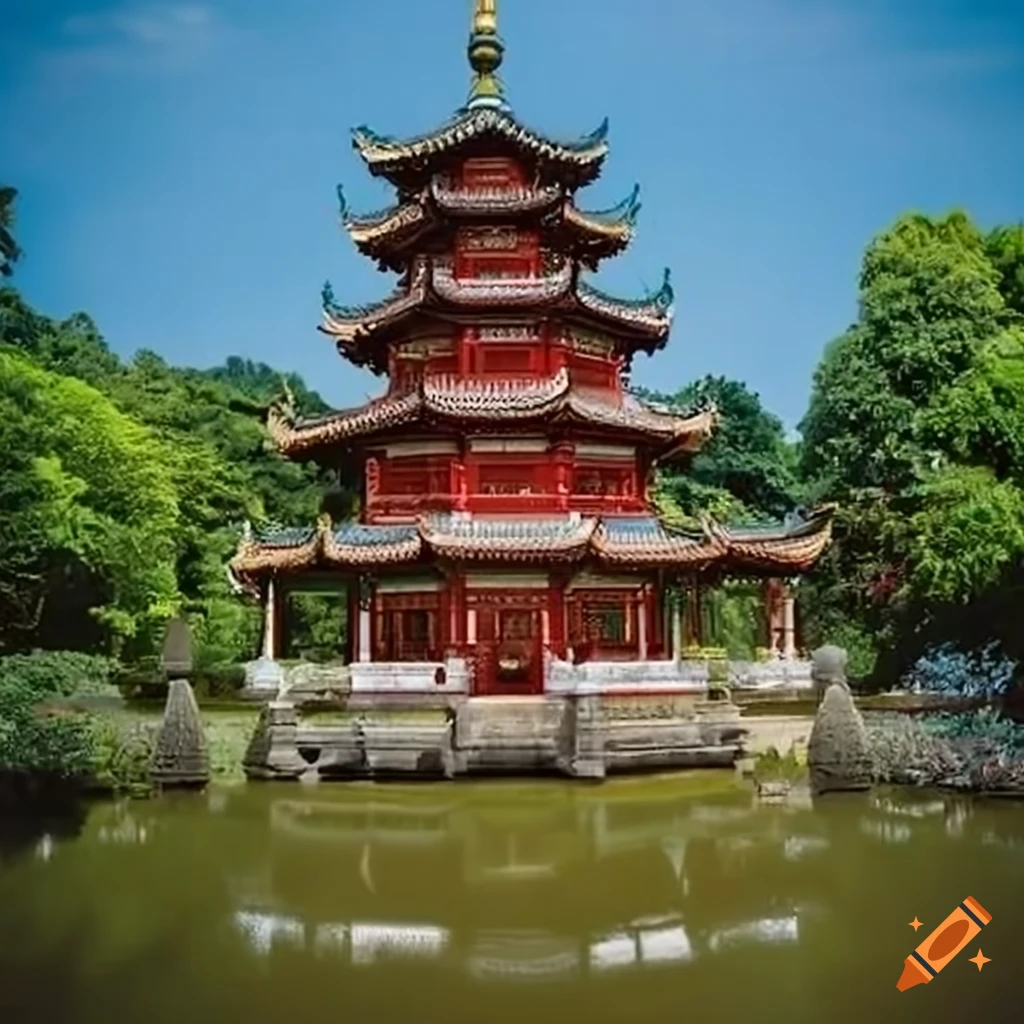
x=125 y=486
x=771 y=766
x=109 y=504
x=121 y=755
x=34 y=739
x=1005 y=248
x=317 y=626
x=916 y=426
x=9 y=250
x=747 y=468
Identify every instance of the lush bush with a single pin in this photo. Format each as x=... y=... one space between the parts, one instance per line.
x=986 y=673
x=121 y=755
x=58 y=673
x=974 y=751
x=219 y=681
x=37 y=740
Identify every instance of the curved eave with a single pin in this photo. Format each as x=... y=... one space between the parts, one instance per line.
x=498 y=202
x=379 y=236
x=410 y=163
x=649 y=321
x=637 y=544
x=782 y=550
x=643 y=325
x=501 y=403
x=597 y=235
x=677 y=550
x=570 y=546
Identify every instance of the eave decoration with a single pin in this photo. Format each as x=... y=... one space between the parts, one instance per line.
x=633 y=542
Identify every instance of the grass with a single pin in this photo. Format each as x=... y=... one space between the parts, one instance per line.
x=227 y=734
x=771 y=766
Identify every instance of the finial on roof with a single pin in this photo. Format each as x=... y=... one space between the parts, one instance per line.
x=485 y=54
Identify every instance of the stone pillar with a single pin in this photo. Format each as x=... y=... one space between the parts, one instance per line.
x=788 y=626
x=270 y=621
x=641 y=625
x=677 y=608
x=365 y=626
x=773 y=613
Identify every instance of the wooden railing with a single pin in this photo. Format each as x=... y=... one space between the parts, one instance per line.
x=587 y=504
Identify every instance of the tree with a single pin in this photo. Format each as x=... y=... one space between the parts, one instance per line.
x=9 y=251
x=916 y=426
x=1005 y=248
x=745 y=470
x=94 y=489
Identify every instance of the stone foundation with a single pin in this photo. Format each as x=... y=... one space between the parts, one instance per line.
x=579 y=735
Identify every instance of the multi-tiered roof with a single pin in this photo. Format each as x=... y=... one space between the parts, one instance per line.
x=420 y=333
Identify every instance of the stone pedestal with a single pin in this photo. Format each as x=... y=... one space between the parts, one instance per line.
x=264 y=675
x=582 y=755
x=273 y=750
x=180 y=757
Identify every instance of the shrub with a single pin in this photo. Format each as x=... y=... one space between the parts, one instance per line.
x=986 y=673
x=121 y=755
x=220 y=681
x=58 y=673
x=34 y=740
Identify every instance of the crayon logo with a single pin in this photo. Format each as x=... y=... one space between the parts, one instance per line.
x=944 y=943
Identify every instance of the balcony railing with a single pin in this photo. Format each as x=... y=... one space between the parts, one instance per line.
x=492 y=504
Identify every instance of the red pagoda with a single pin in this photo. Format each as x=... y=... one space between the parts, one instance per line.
x=506 y=522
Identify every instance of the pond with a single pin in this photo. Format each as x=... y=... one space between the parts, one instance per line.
x=636 y=901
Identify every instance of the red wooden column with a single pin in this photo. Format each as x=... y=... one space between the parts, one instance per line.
x=563 y=455
x=557 y=615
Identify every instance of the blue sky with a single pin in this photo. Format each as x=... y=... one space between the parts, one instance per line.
x=177 y=161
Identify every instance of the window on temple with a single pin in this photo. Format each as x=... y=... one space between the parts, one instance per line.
x=603 y=624
x=409 y=634
x=415 y=475
x=607 y=625
x=509 y=478
x=490 y=172
x=603 y=481
x=507 y=359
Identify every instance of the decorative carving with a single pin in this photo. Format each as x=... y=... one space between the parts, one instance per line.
x=591 y=343
x=511 y=332
x=490 y=239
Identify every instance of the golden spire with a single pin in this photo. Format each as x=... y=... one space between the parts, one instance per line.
x=485 y=53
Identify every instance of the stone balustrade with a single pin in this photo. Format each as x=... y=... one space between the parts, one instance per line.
x=410 y=677
x=622 y=678
x=776 y=674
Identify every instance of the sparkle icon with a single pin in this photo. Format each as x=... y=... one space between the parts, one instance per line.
x=981 y=960
x=915 y=924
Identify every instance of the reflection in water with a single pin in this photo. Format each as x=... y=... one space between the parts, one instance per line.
x=778 y=929
x=44 y=847
x=264 y=929
x=370 y=941
x=633 y=901
x=886 y=831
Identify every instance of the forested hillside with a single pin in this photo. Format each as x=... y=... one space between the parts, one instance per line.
x=124 y=484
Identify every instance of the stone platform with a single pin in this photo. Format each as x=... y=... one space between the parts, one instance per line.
x=576 y=735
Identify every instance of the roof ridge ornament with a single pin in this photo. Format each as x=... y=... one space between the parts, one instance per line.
x=485 y=51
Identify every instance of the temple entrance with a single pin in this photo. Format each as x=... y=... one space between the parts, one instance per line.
x=509 y=650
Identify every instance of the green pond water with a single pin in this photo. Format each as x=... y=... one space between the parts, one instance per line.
x=674 y=899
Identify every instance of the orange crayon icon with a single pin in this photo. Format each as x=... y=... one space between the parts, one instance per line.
x=943 y=944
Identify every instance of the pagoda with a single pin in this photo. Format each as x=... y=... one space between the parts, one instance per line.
x=506 y=521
